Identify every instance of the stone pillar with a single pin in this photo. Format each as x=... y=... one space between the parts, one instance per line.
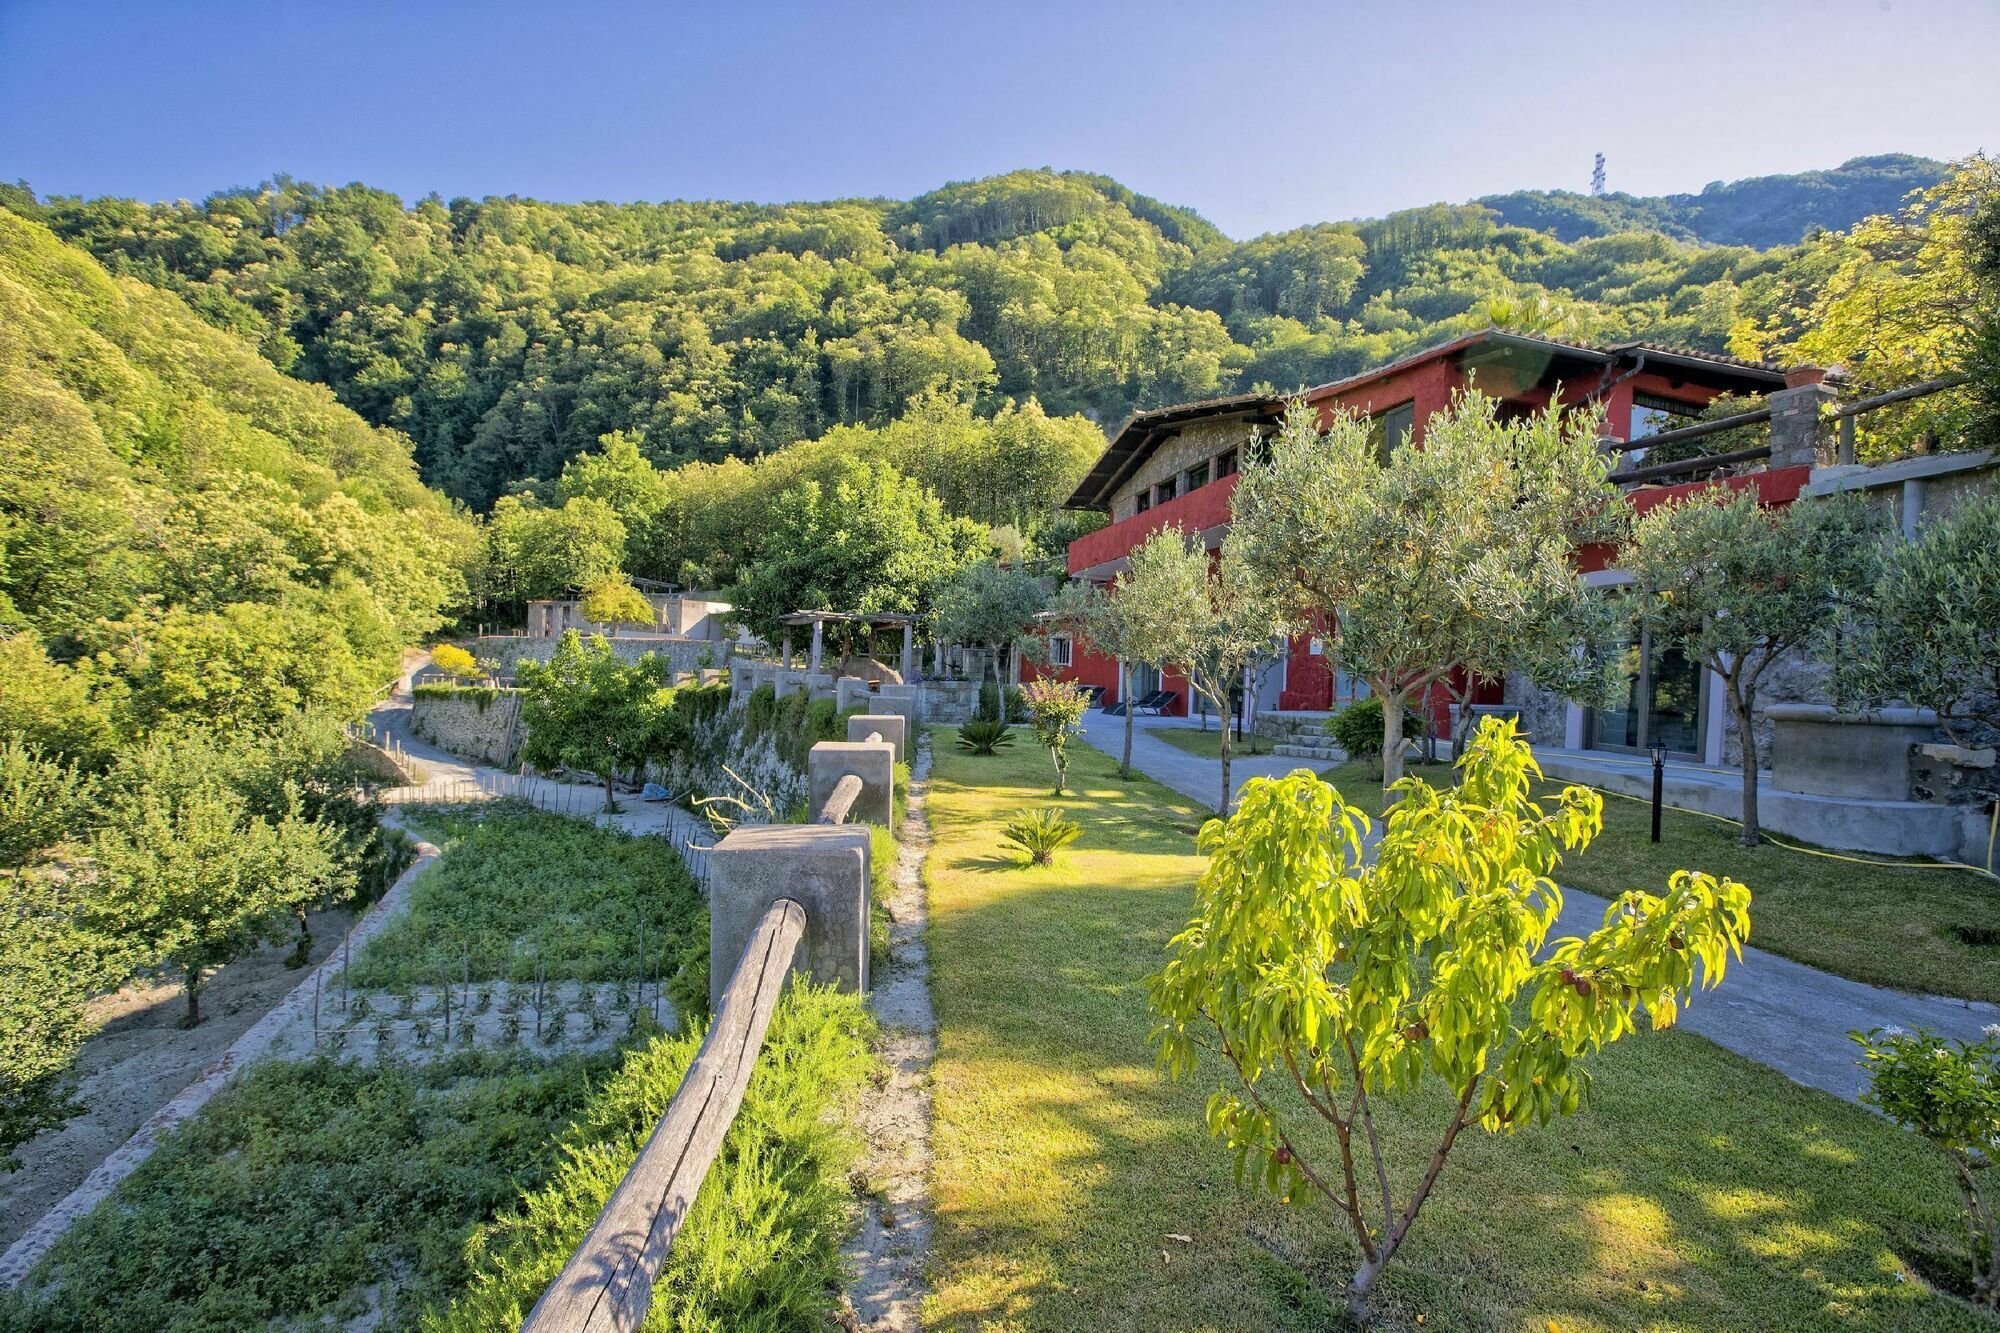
x=788 y=648
x=894 y=728
x=819 y=640
x=822 y=868
x=850 y=692
x=1798 y=435
x=874 y=764
x=909 y=662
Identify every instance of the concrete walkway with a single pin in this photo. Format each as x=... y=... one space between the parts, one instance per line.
x=1192 y=776
x=1769 y=1009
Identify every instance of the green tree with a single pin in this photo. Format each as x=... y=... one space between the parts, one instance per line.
x=1930 y=627
x=864 y=538
x=41 y=803
x=1460 y=552
x=586 y=708
x=1056 y=709
x=454 y=661
x=1738 y=587
x=613 y=600
x=50 y=968
x=1209 y=619
x=187 y=872
x=535 y=552
x=993 y=607
x=1087 y=614
x=1357 y=980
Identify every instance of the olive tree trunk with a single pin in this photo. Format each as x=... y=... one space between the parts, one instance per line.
x=1125 y=697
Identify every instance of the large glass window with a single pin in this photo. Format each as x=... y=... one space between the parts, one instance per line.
x=1662 y=702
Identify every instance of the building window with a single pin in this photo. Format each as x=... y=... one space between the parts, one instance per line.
x=1059 y=650
x=1196 y=476
x=1142 y=502
x=1391 y=430
x=1225 y=464
x=1164 y=491
x=1651 y=416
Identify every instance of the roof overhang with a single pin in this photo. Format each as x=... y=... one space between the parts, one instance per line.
x=1133 y=442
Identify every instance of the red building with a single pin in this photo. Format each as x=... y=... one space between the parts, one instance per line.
x=1178 y=465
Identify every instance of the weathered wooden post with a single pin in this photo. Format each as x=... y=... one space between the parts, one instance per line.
x=819 y=643
x=908 y=664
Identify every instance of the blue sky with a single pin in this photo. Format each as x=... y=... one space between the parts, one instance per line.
x=1262 y=116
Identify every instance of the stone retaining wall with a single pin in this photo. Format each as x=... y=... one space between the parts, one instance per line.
x=504 y=651
x=490 y=734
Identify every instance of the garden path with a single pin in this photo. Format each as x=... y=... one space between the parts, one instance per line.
x=1772 y=1010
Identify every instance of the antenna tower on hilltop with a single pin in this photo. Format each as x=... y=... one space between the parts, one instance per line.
x=1597 y=176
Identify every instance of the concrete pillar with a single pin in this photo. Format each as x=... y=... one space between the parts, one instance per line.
x=908 y=665
x=819 y=642
x=1798 y=434
x=894 y=728
x=784 y=682
x=850 y=692
x=788 y=649
x=874 y=764
x=822 y=868
x=818 y=684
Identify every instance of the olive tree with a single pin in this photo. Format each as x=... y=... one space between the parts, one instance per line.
x=1356 y=981
x=1930 y=630
x=1207 y=619
x=990 y=605
x=1738 y=585
x=1461 y=552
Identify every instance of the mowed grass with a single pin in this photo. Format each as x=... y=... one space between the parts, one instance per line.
x=1911 y=927
x=1697 y=1191
x=1208 y=744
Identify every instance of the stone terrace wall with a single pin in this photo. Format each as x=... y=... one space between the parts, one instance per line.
x=490 y=734
x=505 y=650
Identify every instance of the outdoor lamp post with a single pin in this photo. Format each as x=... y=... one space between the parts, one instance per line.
x=1659 y=782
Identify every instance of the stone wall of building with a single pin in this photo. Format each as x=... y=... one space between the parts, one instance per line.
x=1544 y=715
x=1175 y=455
x=1792 y=679
x=459 y=723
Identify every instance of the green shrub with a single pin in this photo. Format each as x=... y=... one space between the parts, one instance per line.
x=518 y=890
x=1041 y=833
x=984 y=737
x=760 y=1249
x=303 y=1187
x=988 y=708
x=1357 y=728
x=482 y=696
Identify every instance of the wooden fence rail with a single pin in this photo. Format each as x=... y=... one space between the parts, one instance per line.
x=607 y=1285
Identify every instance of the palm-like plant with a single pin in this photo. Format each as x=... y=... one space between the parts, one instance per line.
x=985 y=737
x=1041 y=833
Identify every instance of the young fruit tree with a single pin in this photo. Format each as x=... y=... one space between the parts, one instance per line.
x=587 y=708
x=1460 y=552
x=1056 y=709
x=187 y=872
x=1357 y=981
x=1930 y=630
x=1208 y=619
x=992 y=606
x=1738 y=586
x=1089 y=616
x=1949 y=1092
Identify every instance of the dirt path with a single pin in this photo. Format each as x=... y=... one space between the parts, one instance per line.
x=139 y=1057
x=889 y=1247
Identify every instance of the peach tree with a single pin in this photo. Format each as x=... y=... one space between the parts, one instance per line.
x=1329 y=982
x=1055 y=710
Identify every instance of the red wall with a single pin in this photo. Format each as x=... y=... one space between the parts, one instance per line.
x=1200 y=509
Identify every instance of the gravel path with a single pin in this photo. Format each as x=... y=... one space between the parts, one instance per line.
x=888 y=1249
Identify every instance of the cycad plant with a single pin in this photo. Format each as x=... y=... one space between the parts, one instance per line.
x=985 y=736
x=1041 y=833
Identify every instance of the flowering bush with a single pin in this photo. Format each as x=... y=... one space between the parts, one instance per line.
x=1949 y=1092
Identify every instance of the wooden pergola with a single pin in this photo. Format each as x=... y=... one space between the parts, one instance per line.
x=869 y=619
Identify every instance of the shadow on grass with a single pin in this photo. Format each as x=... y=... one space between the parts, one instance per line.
x=1697 y=1190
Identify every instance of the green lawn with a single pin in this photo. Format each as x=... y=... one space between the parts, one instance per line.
x=1208 y=744
x=1697 y=1191
x=1902 y=927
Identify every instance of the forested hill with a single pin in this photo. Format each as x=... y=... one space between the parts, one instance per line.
x=196 y=535
x=1762 y=211
x=506 y=336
